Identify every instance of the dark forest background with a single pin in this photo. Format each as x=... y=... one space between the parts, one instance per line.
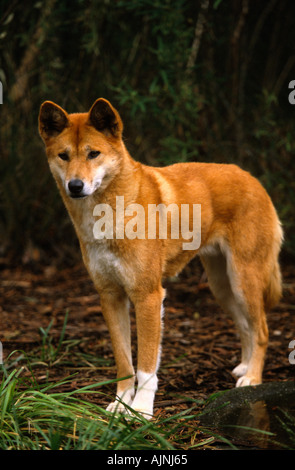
x=193 y=81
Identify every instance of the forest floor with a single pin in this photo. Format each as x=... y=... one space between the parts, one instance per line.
x=200 y=344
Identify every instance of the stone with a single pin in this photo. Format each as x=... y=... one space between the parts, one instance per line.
x=261 y=416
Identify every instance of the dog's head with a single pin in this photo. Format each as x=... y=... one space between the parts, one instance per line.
x=85 y=149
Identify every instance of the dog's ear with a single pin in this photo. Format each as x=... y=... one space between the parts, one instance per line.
x=105 y=118
x=52 y=120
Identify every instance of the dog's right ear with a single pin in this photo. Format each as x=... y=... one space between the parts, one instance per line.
x=104 y=118
x=52 y=120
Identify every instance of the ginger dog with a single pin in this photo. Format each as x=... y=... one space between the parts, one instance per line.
x=238 y=241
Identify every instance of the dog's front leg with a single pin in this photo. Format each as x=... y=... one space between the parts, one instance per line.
x=148 y=308
x=115 y=308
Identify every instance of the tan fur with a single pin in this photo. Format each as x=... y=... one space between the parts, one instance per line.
x=240 y=241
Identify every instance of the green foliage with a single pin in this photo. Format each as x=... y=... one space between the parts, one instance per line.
x=37 y=416
x=204 y=81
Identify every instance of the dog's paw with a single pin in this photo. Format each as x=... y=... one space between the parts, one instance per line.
x=143 y=404
x=145 y=413
x=117 y=407
x=246 y=380
x=240 y=370
x=120 y=408
x=120 y=405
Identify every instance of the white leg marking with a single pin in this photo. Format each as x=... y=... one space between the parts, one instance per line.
x=145 y=395
x=124 y=397
x=244 y=381
x=240 y=370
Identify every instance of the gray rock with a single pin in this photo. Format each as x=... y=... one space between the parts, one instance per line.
x=261 y=416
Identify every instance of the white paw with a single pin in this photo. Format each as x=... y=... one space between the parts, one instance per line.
x=143 y=405
x=245 y=380
x=117 y=407
x=143 y=402
x=120 y=408
x=146 y=413
x=240 y=370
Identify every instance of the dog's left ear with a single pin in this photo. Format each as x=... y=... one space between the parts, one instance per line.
x=52 y=120
x=105 y=118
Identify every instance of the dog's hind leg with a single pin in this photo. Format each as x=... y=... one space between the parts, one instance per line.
x=238 y=292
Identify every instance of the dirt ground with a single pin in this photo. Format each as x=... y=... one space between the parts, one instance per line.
x=200 y=344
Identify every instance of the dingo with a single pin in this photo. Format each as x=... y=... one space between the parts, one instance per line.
x=240 y=241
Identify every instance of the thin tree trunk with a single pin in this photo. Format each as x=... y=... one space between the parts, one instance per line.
x=20 y=90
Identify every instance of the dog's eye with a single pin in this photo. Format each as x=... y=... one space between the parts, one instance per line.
x=93 y=154
x=63 y=156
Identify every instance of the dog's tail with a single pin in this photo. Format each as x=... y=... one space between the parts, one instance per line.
x=273 y=292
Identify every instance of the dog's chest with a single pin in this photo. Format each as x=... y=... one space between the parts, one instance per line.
x=101 y=261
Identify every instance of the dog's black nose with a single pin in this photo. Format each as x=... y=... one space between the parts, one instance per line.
x=76 y=186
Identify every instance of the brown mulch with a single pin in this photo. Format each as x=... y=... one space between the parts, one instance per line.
x=200 y=345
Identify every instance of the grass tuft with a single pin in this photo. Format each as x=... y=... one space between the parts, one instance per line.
x=39 y=417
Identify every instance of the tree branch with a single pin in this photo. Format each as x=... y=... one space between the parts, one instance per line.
x=198 y=35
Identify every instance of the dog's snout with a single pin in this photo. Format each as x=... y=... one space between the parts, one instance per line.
x=76 y=187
